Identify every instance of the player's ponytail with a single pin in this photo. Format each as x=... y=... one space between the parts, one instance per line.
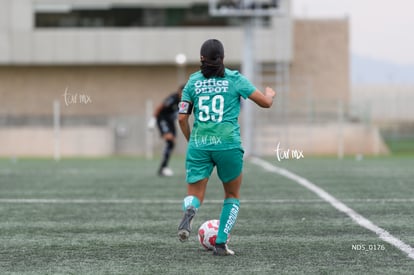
x=211 y=57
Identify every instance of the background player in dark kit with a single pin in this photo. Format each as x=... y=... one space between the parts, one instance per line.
x=165 y=116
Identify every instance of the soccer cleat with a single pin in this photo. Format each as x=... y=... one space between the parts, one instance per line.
x=166 y=172
x=222 y=250
x=184 y=228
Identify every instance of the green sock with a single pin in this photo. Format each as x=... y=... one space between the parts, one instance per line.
x=191 y=201
x=227 y=219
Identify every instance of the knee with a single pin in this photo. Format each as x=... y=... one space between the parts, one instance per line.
x=169 y=137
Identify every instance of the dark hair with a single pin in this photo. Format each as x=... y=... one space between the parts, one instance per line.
x=211 y=57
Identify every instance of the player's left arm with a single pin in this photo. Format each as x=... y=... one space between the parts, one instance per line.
x=184 y=125
x=184 y=111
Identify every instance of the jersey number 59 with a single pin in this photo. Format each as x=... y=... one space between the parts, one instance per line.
x=211 y=110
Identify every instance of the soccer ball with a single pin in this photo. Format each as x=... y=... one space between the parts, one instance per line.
x=207 y=234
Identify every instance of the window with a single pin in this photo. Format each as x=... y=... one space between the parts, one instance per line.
x=133 y=16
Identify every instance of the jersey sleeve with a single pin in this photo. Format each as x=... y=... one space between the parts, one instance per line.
x=244 y=86
x=186 y=94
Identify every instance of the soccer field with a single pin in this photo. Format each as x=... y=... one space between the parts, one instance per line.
x=115 y=216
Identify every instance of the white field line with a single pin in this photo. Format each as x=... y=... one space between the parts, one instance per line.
x=359 y=219
x=171 y=201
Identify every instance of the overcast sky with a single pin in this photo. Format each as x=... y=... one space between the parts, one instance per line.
x=380 y=29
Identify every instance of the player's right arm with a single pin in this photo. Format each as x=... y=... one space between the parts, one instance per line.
x=265 y=99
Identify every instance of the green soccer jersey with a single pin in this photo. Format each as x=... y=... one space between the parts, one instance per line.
x=216 y=104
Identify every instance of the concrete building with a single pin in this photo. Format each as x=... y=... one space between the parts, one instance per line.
x=107 y=61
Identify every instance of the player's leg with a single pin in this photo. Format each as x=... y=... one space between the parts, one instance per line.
x=191 y=203
x=229 y=168
x=199 y=168
x=198 y=165
x=167 y=130
x=169 y=147
x=228 y=216
x=195 y=194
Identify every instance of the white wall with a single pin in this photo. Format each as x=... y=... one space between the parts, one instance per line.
x=385 y=103
x=21 y=43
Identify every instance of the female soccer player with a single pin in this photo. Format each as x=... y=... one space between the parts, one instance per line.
x=165 y=116
x=214 y=93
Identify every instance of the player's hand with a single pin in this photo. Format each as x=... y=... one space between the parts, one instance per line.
x=151 y=123
x=270 y=92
